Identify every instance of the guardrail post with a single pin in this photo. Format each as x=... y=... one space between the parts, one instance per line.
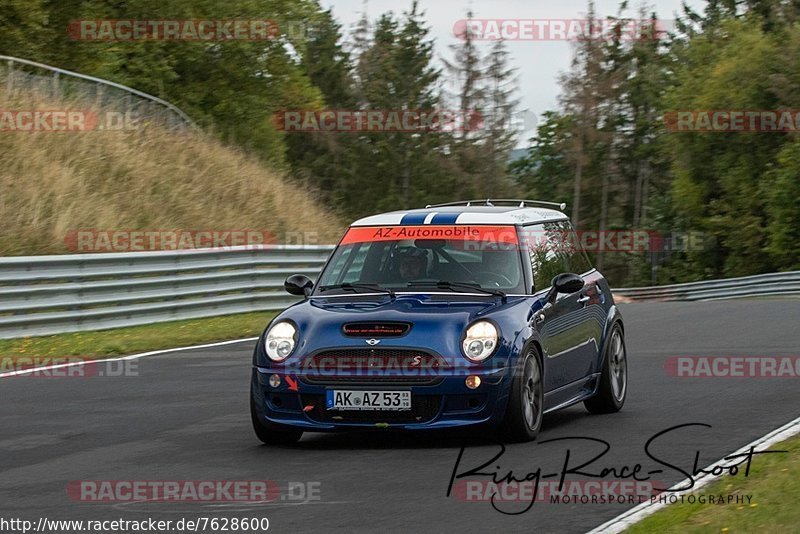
x=10 y=77
x=56 y=93
x=98 y=96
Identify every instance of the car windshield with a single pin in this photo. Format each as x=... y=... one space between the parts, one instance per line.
x=432 y=258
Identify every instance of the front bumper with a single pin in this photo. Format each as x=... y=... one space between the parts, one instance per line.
x=445 y=402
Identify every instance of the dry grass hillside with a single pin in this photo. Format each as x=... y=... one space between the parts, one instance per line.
x=148 y=178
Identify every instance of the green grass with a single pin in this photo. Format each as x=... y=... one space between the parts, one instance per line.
x=774 y=484
x=120 y=341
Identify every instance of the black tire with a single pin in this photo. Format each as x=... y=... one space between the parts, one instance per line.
x=613 y=388
x=270 y=433
x=525 y=410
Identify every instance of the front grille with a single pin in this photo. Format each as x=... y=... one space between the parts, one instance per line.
x=373 y=366
x=423 y=409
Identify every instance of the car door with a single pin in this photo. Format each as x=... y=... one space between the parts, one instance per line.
x=589 y=302
x=569 y=337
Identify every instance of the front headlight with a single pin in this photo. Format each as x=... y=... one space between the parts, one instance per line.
x=280 y=341
x=480 y=341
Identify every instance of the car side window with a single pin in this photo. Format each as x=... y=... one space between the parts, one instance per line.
x=575 y=257
x=553 y=248
x=542 y=241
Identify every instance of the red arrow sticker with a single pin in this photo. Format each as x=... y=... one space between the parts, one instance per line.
x=292 y=383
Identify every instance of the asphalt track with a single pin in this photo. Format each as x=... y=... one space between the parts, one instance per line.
x=185 y=417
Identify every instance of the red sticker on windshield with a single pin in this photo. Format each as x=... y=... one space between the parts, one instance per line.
x=486 y=234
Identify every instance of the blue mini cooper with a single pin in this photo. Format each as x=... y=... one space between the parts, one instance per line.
x=469 y=313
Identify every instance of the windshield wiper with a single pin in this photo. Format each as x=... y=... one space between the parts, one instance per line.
x=444 y=284
x=354 y=287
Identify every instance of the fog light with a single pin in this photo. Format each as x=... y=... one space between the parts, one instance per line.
x=473 y=381
x=274 y=381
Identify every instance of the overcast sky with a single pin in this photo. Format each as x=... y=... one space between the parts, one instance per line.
x=538 y=62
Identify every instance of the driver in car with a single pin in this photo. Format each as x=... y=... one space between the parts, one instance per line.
x=413 y=265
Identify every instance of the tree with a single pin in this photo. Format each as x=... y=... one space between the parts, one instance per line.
x=467 y=94
x=233 y=87
x=782 y=189
x=25 y=32
x=484 y=89
x=580 y=99
x=466 y=73
x=323 y=160
x=545 y=173
x=501 y=104
x=717 y=174
x=396 y=73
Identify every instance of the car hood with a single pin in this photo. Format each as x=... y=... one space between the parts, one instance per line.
x=437 y=321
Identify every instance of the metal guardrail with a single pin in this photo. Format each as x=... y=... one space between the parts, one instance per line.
x=761 y=285
x=16 y=75
x=41 y=295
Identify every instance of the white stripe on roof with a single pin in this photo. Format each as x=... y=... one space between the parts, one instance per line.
x=383 y=219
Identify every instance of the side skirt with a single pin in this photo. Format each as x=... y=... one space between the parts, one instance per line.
x=589 y=388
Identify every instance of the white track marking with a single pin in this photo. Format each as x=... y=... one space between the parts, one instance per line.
x=128 y=357
x=637 y=513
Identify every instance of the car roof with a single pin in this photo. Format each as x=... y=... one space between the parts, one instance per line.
x=500 y=215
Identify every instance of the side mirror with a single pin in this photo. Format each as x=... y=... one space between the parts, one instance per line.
x=298 y=284
x=564 y=283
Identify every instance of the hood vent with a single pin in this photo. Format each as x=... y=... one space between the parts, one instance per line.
x=376 y=329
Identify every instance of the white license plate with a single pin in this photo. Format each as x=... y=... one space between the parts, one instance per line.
x=337 y=399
